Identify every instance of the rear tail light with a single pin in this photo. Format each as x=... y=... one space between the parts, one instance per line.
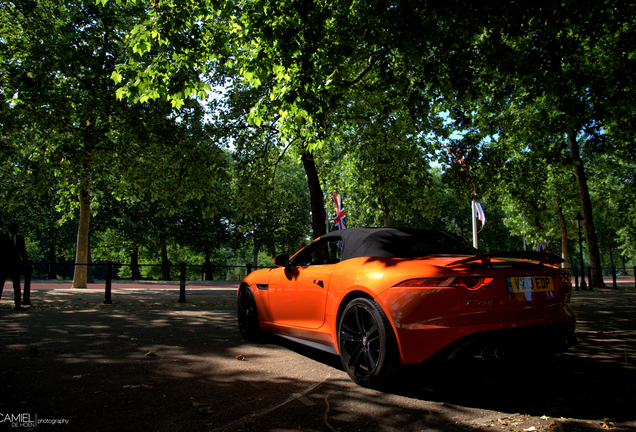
x=565 y=281
x=471 y=283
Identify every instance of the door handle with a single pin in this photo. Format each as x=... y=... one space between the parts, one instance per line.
x=319 y=283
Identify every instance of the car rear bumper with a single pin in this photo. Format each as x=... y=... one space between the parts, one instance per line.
x=536 y=340
x=430 y=321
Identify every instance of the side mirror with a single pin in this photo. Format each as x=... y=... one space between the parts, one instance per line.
x=281 y=260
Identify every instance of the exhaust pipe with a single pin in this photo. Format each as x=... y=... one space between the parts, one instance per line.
x=485 y=354
x=500 y=353
x=488 y=354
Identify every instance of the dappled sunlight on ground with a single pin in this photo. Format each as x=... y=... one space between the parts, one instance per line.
x=148 y=362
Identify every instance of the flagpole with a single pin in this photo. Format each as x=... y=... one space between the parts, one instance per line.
x=326 y=204
x=474 y=218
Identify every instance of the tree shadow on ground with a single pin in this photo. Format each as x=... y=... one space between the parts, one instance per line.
x=90 y=366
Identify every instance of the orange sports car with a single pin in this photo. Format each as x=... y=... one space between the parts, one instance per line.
x=384 y=297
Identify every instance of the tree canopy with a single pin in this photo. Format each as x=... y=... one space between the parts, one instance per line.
x=64 y=115
x=405 y=106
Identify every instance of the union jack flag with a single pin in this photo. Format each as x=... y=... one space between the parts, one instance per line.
x=542 y=246
x=339 y=220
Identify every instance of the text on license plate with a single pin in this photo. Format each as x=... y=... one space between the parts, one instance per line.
x=529 y=284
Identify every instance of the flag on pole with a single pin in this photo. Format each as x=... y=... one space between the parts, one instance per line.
x=480 y=214
x=339 y=220
x=542 y=246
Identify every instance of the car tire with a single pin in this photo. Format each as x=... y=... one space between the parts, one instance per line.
x=247 y=315
x=368 y=350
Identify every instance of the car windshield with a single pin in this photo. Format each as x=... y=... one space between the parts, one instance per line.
x=326 y=251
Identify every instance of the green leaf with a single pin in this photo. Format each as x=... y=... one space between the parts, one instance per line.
x=116 y=76
x=177 y=103
x=141 y=47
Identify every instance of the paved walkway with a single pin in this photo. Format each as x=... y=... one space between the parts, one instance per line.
x=46 y=294
x=149 y=362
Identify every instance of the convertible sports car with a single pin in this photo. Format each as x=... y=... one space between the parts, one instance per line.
x=383 y=297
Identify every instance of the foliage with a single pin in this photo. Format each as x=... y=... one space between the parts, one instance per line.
x=547 y=98
x=614 y=189
x=106 y=97
x=58 y=91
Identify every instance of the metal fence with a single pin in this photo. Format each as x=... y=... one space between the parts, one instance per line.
x=97 y=270
x=607 y=271
x=105 y=272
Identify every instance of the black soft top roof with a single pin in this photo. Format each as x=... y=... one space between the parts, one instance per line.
x=397 y=242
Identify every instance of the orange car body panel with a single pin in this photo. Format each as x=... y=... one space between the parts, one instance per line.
x=303 y=302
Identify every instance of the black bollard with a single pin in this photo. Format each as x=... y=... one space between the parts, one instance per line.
x=614 y=278
x=28 y=271
x=109 y=278
x=182 y=297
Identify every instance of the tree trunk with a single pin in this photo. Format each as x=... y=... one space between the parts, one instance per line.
x=385 y=212
x=52 y=262
x=318 y=214
x=385 y=206
x=564 y=235
x=90 y=277
x=165 y=263
x=586 y=208
x=134 y=263
x=81 y=249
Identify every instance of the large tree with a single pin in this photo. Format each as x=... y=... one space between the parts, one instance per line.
x=308 y=60
x=317 y=56
x=568 y=70
x=268 y=205
x=60 y=109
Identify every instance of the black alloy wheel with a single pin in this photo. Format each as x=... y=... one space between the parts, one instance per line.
x=367 y=346
x=247 y=314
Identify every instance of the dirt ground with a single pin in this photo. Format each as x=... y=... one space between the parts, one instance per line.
x=150 y=363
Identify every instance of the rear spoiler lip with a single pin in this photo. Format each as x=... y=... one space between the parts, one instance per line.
x=541 y=257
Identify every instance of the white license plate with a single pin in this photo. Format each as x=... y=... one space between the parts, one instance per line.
x=529 y=284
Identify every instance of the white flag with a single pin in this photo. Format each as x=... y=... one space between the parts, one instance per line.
x=480 y=214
